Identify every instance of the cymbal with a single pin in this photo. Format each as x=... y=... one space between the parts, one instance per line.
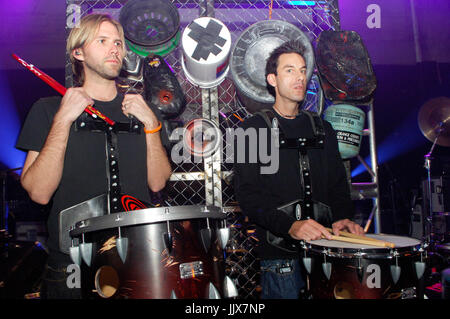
x=434 y=117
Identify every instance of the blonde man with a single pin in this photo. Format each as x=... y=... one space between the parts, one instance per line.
x=65 y=166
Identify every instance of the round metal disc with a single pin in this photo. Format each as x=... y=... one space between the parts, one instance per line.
x=434 y=119
x=249 y=56
x=149 y=23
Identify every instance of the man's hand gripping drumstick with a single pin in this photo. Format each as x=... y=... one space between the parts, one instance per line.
x=308 y=229
x=311 y=230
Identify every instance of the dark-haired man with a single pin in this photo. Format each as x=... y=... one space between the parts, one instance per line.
x=260 y=195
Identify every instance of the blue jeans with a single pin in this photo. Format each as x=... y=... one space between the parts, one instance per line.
x=281 y=279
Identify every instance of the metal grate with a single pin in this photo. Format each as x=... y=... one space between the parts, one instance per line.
x=187 y=185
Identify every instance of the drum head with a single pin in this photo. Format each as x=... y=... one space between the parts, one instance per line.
x=149 y=23
x=401 y=244
x=344 y=66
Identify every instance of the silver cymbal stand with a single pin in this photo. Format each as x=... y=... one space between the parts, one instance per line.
x=429 y=217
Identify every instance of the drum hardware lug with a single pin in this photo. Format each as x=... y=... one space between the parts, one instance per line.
x=326 y=267
x=420 y=268
x=122 y=246
x=303 y=245
x=307 y=261
x=206 y=235
x=81 y=224
x=230 y=290
x=420 y=265
x=86 y=251
x=168 y=238
x=359 y=268
x=212 y=292
x=395 y=269
x=224 y=236
x=205 y=209
x=173 y=295
x=74 y=252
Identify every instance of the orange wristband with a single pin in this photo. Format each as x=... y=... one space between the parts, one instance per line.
x=153 y=131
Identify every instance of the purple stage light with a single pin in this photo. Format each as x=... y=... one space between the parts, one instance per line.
x=404 y=139
x=9 y=129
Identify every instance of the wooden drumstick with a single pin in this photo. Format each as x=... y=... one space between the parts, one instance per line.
x=363 y=241
x=364 y=238
x=369 y=220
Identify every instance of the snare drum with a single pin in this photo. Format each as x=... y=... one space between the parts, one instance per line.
x=154 y=253
x=341 y=270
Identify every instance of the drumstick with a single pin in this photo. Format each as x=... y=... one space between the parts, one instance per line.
x=369 y=221
x=365 y=238
x=362 y=241
x=350 y=235
x=59 y=88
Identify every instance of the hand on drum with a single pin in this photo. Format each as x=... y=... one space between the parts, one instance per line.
x=347 y=225
x=308 y=230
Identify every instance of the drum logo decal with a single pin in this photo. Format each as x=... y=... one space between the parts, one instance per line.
x=107 y=245
x=131 y=203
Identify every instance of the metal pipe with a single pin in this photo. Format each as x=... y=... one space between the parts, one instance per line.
x=374 y=160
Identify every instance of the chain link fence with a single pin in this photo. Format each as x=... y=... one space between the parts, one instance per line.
x=187 y=184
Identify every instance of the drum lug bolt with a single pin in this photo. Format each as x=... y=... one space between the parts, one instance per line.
x=212 y=292
x=122 y=246
x=224 y=236
x=206 y=235
x=230 y=290
x=86 y=251
x=74 y=252
x=420 y=268
x=168 y=238
x=359 y=269
x=326 y=267
x=307 y=263
x=395 y=269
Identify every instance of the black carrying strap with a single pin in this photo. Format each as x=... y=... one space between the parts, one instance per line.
x=112 y=172
x=300 y=143
x=85 y=122
x=306 y=207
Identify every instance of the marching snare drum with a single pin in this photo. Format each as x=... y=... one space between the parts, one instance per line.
x=341 y=270
x=154 y=253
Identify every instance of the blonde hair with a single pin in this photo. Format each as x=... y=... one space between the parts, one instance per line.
x=83 y=34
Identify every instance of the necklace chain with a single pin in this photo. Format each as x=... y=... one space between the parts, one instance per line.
x=284 y=115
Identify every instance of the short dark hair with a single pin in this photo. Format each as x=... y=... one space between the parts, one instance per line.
x=291 y=46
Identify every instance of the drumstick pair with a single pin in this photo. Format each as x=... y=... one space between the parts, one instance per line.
x=358 y=239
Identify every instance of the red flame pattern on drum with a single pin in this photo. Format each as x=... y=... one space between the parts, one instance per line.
x=132 y=203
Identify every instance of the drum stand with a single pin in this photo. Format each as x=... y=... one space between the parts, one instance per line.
x=429 y=217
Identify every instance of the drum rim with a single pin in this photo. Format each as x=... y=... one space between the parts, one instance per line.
x=146 y=216
x=372 y=252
